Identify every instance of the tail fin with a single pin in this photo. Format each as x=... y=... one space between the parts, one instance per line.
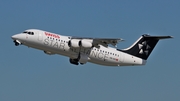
x=143 y=47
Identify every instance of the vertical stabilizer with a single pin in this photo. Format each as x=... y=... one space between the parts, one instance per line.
x=143 y=47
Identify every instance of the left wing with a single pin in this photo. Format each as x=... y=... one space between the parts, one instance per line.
x=102 y=41
x=106 y=41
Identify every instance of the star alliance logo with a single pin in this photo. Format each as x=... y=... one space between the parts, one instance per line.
x=144 y=48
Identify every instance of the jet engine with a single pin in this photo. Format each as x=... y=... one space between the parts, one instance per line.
x=85 y=43
x=76 y=43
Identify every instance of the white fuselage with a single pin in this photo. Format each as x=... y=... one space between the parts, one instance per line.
x=58 y=44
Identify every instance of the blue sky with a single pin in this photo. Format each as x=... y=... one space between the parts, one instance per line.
x=27 y=74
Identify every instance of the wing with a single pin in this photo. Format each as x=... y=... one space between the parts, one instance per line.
x=102 y=41
x=105 y=42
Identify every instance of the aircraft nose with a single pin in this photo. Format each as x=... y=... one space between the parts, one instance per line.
x=17 y=36
x=14 y=37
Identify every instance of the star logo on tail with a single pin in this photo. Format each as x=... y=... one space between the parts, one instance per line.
x=144 y=48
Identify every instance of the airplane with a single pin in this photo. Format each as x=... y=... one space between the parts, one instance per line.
x=80 y=50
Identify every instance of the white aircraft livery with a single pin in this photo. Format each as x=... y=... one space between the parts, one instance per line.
x=81 y=50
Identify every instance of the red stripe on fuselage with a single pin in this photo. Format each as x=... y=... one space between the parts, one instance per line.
x=52 y=35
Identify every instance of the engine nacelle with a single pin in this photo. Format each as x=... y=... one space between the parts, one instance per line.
x=85 y=43
x=74 y=43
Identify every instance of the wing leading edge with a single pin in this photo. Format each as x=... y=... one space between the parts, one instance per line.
x=102 y=41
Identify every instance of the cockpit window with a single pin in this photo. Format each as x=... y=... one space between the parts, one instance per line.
x=30 y=33
x=25 y=32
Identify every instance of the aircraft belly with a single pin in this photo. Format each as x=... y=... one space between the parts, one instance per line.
x=106 y=62
x=100 y=62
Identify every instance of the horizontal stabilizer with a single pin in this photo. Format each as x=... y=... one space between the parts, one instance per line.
x=157 y=37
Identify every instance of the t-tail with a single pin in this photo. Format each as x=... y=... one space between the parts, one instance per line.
x=143 y=47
